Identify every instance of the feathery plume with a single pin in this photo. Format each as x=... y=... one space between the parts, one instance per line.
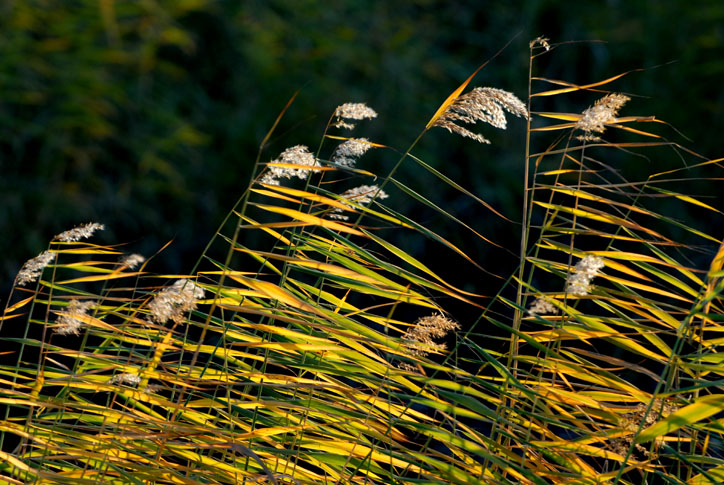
x=151 y=388
x=68 y=322
x=352 y=111
x=33 y=268
x=126 y=378
x=632 y=421
x=360 y=195
x=481 y=104
x=542 y=306
x=132 y=260
x=594 y=119
x=171 y=303
x=421 y=335
x=81 y=232
x=349 y=151
x=579 y=283
x=541 y=41
x=296 y=155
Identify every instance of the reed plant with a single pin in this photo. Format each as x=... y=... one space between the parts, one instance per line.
x=307 y=346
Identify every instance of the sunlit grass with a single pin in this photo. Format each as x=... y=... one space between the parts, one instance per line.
x=289 y=354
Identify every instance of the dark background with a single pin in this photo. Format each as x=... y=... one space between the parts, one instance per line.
x=147 y=116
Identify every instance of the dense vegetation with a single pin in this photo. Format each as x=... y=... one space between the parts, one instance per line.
x=313 y=342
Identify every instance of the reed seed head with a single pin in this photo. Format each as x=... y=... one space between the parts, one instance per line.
x=173 y=302
x=579 y=282
x=296 y=155
x=33 y=268
x=632 y=421
x=362 y=195
x=542 y=306
x=81 y=232
x=126 y=378
x=348 y=152
x=151 y=388
x=540 y=41
x=352 y=111
x=421 y=335
x=481 y=104
x=132 y=260
x=68 y=322
x=605 y=110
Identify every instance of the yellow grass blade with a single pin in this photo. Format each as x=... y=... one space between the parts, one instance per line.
x=574 y=87
x=274 y=292
x=561 y=116
x=310 y=219
x=306 y=195
x=269 y=193
x=451 y=99
x=701 y=409
x=632 y=130
x=269 y=231
x=328 y=268
x=101 y=277
x=298 y=166
x=19 y=304
x=640 y=286
x=366 y=142
x=716 y=474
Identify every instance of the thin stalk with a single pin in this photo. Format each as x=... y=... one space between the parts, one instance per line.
x=514 y=343
x=512 y=363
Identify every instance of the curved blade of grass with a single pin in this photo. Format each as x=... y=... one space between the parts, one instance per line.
x=704 y=407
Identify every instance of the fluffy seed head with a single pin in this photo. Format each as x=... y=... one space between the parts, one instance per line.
x=540 y=41
x=132 y=260
x=579 y=282
x=81 y=232
x=349 y=151
x=360 y=195
x=632 y=421
x=171 y=303
x=296 y=155
x=126 y=378
x=603 y=111
x=68 y=322
x=481 y=104
x=151 y=388
x=352 y=111
x=421 y=335
x=542 y=306
x=33 y=268
x=364 y=193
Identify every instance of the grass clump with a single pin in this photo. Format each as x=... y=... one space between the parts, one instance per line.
x=308 y=346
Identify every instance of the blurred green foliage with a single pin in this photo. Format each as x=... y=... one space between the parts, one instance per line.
x=146 y=115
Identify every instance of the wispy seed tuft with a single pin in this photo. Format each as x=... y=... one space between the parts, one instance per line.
x=632 y=421
x=597 y=116
x=348 y=152
x=296 y=155
x=541 y=306
x=362 y=195
x=542 y=42
x=421 y=335
x=126 y=378
x=68 y=322
x=173 y=302
x=132 y=260
x=352 y=111
x=33 y=268
x=81 y=232
x=579 y=283
x=481 y=104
